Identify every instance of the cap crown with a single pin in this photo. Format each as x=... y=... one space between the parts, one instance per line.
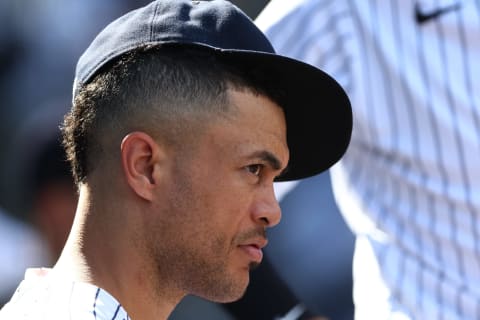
x=217 y=24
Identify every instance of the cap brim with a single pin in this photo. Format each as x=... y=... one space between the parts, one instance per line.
x=317 y=111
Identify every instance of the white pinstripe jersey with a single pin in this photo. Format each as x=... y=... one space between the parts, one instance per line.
x=51 y=298
x=409 y=185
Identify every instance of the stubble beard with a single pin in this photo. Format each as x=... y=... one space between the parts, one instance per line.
x=187 y=270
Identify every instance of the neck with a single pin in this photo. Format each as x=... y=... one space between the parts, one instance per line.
x=103 y=251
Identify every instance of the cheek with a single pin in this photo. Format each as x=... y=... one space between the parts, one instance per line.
x=231 y=211
x=212 y=207
x=224 y=196
x=223 y=219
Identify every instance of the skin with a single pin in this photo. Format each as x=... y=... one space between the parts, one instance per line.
x=164 y=222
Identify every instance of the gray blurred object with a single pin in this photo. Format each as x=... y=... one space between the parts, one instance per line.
x=192 y=307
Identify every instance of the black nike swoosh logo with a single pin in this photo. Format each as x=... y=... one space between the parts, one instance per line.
x=423 y=17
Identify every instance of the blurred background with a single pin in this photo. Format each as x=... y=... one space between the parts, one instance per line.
x=40 y=42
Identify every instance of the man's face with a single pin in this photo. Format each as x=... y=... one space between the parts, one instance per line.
x=218 y=201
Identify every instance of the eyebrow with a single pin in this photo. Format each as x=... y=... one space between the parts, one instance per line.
x=270 y=158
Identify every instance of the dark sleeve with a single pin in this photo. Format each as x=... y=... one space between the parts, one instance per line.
x=266 y=298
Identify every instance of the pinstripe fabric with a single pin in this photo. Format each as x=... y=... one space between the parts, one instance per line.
x=53 y=298
x=409 y=185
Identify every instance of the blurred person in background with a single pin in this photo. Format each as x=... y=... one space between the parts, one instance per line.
x=409 y=184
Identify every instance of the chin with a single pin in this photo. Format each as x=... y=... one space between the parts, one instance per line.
x=231 y=298
x=229 y=290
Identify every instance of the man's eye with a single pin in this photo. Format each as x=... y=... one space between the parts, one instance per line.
x=254 y=169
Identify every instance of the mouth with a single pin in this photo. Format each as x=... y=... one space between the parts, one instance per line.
x=253 y=249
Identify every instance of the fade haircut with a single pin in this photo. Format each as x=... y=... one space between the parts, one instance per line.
x=169 y=92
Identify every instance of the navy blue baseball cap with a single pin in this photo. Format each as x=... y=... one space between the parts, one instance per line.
x=317 y=110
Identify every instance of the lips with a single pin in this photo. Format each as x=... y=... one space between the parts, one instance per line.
x=253 y=249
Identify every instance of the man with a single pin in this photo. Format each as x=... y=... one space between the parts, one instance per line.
x=409 y=184
x=177 y=132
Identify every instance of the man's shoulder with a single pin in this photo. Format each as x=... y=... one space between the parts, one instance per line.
x=49 y=298
x=37 y=298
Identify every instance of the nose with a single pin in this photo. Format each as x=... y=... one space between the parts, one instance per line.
x=266 y=209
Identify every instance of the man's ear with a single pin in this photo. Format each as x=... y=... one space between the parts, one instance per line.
x=142 y=159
